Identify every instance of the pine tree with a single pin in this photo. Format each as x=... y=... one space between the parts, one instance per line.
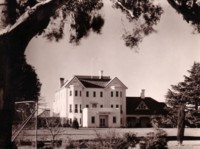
x=188 y=91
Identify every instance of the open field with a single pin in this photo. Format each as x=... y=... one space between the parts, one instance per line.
x=90 y=133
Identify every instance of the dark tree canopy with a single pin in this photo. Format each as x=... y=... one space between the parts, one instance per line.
x=190 y=9
x=26 y=83
x=83 y=17
x=143 y=15
x=188 y=91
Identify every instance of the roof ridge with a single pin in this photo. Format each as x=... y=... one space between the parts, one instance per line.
x=92 y=77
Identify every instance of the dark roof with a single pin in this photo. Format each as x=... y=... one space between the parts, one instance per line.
x=94 y=81
x=154 y=107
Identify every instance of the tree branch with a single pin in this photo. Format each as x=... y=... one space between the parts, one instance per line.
x=39 y=12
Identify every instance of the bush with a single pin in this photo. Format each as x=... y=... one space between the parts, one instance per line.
x=40 y=144
x=113 y=140
x=155 y=140
x=25 y=143
x=75 y=124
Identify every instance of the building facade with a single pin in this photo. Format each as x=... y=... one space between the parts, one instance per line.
x=95 y=101
x=139 y=110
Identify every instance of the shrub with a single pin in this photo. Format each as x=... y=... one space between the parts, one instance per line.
x=113 y=140
x=155 y=140
x=75 y=124
x=40 y=144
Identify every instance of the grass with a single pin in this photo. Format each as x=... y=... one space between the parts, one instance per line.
x=90 y=133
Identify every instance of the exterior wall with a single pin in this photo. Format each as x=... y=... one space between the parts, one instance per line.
x=60 y=102
x=107 y=113
x=139 y=120
x=115 y=105
x=117 y=86
x=75 y=100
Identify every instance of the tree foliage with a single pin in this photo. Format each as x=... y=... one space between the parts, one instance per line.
x=143 y=15
x=188 y=91
x=26 y=83
x=53 y=125
x=190 y=9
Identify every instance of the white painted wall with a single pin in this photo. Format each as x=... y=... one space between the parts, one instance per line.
x=63 y=100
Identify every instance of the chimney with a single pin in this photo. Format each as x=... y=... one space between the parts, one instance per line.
x=62 y=81
x=100 y=74
x=142 y=94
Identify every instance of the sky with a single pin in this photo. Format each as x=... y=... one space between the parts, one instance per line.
x=161 y=59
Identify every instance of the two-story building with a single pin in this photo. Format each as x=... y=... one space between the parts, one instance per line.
x=95 y=101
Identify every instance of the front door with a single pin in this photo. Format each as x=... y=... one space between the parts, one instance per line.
x=103 y=121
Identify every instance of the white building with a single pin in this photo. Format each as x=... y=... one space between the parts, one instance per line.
x=95 y=101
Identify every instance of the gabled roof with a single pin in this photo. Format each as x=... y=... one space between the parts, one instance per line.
x=94 y=81
x=154 y=107
x=116 y=79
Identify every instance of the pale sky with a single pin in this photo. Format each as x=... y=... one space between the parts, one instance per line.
x=163 y=57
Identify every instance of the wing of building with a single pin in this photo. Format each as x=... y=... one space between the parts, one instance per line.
x=95 y=101
x=139 y=110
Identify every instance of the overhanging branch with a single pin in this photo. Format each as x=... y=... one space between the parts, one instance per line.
x=39 y=12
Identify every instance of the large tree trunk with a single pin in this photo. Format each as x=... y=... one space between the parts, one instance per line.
x=181 y=124
x=13 y=42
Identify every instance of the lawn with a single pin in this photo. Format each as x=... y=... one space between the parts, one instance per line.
x=90 y=133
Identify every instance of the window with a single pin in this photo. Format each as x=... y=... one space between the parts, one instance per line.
x=94 y=105
x=114 y=119
x=117 y=106
x=111 y=93
x=142 y=106
x=94 y=94
x=101 y=94
x=93 y=119
x=70 y=108
x=111 y=106
x=70 y=93
x=87 y=106
x=76 y=108
x=80 y=93
x=76 y=93
x=117 y=94
x=121 y=109
x=87 y=94
x=101 y=106
x=121 y=94
x=80 y=109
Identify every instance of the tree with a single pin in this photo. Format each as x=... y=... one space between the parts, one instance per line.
x=144 y=15
x=184 y=94
x=190 y=9
x=53 y=125
x=188 y=91
x=20 y=21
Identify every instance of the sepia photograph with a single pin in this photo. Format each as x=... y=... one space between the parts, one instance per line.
x=99 y=74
